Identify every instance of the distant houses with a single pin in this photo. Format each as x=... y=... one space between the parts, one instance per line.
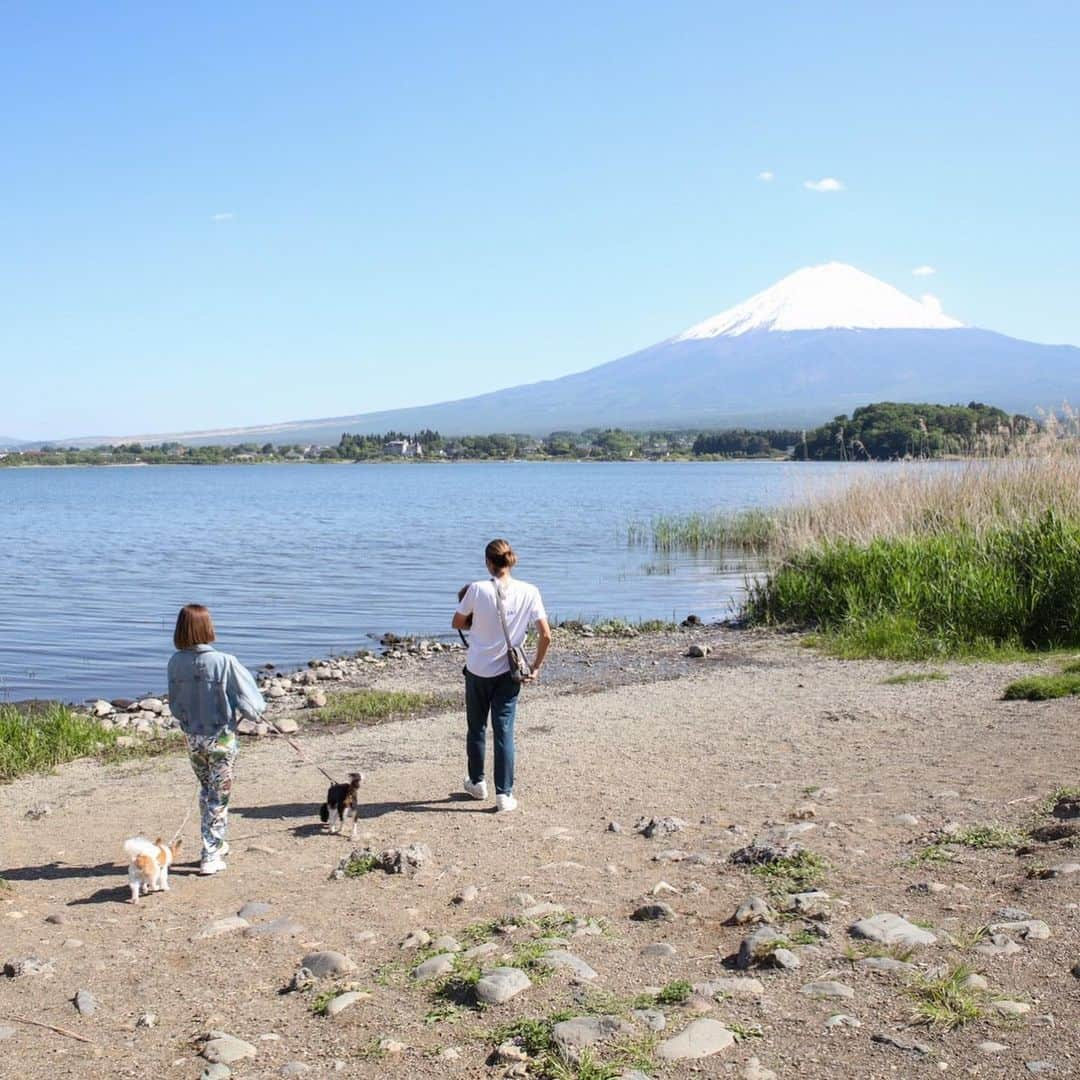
x=403 y=448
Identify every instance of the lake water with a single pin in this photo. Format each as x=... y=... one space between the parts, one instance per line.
x=297 y=561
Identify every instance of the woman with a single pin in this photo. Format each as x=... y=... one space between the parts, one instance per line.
x=208 y=693
x=489 y=686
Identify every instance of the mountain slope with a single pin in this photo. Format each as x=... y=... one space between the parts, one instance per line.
x=815 y=344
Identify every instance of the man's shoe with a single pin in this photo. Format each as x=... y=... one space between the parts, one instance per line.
x=477 y=790
x=212 y=866
x=505 y=803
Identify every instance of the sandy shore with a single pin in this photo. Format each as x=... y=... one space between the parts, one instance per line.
x=759 y=737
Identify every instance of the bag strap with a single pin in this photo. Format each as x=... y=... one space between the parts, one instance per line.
x=502 y=616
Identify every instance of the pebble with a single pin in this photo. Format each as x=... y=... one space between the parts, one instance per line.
x=989 y=1047
x=500 y=984
x=85 y=1003
x=57 y=918
x=813 y=904
x=653 y=1019
x=538 y=911
x=1010 y=1008
x=325 y=963
x=582 y=1031
x=416 y=939
x=1013 y=914
x=560 y=958
x=661 y=950
x=343 y=1001
x=975 y=981
x=756 y=1071
x=38 y=811
x=699 y=1039
x=216 y=1071
x=228 y=925
x=446 y=943
x=909 y=820
x=614 y=826
x=294 y=1068
x=1037 y=1067
x=898 y=1043
x=442 y=964
x=146 y=1020
x=842 y=1020
x=30 y=965
x=466 y=896
x=758 y=947
x=998 y=945
x=827 y=990
x=754 y=910
x=510 y=1053
x=650 y=827
x=252 y=909
x=226 y=1049
x=1028 y=929
x=1066 y=869
x=6 y=1032
x=785 y=959
x=484 y=949
x=883 y=963
x=698 y=652
x=652 y=912
x=736 y=986
x=392 y=1046
x=889 y=929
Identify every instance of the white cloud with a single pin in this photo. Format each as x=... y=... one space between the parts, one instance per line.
x=931 y=303
x=826 y=183
x=767 y=176
x=924 y=271
x=224 y=217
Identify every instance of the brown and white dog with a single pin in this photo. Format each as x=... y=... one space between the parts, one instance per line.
x=148 y=864
x=342 y=801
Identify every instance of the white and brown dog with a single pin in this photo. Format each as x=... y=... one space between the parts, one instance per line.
x=342 y=801
x=148 y=864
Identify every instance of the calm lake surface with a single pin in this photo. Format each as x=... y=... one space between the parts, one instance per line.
x=298 y=561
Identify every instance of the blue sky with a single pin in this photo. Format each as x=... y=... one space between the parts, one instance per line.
x=231 y=214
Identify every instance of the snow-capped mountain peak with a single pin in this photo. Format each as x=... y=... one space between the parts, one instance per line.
x=831 y=296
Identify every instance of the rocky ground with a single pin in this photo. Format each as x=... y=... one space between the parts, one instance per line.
x=757 y=862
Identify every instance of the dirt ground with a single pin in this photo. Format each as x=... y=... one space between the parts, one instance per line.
x=731 y=744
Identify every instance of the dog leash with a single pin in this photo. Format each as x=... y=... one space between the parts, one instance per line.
x=300 y=753
x=187 y=817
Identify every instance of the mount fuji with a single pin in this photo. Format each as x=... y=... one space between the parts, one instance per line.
x=819 y=342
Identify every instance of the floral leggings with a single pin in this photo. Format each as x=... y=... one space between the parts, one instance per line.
x=212 y=757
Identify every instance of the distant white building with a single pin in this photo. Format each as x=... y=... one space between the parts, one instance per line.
x=403 y=448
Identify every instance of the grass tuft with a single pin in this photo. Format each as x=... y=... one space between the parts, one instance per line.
x=944 y=1002
x=371 y=706
x=794 y=873
x=914 y=677
x=359 y=865
x=984 y=837
x=1043 y=687
x=51 y=736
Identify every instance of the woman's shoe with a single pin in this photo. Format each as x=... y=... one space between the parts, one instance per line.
x=477 y=790
x=212 y=866
x=505 y=803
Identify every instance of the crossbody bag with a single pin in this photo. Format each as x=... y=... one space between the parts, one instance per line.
x=520 y=668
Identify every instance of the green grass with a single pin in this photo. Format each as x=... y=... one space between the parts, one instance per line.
x=800 y=872
x=944 y=1002
x=360 y=865
x=1043 y=687
x=676 y=992
x=935 y=854
x=370 y=706
x=47 y=738
x=1061 y=794
x=745 y=530
x=914 y=677
x=744 y=1032
x=985 y=837
x=957 y=592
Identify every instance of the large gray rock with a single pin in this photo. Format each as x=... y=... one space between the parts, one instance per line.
x=700 y=1039
x=759 y=947
x=1028 y=929
x=889 y=929
x=736 y=986
x=442 y=964
x=653 y=912
x=753 y=910
x=327 y=962
x=500 y=984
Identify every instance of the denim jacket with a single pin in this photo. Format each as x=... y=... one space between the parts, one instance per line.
x=209 y=691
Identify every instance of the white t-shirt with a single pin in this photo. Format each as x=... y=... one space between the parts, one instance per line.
x=487 y=643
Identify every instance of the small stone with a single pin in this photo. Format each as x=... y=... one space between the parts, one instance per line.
x=538 y=911
x=1065 y=869
x=736 y=986
x=827 y=990
x=614 y=826
x=1013 y=914
x=653 y=912
x=315 y=699
x=6 y=1032
x=842 y=1020
x=898 y=1043
x=974 y=981
x=510 y=1053
x=57 y=918
x=559 y=958
x=228 y=925
x=434 y=967
x=152 y=705
x=661 y=950
x=883 y=963
x=754 y=1070
x=102 y=708
x=484 y=949
x=466 y=896
x=997 y=945
x=326 y=963
x=653 y=1019
x=293 y=1068
x=1010 y=1008
x=758 y=947
x=989 y=1047
x=39 y=811
x=1037 y=1067
x=889 y=929
x=30 y=965
x=814 y=904
x=416 y=939
x=698 y=652
x=85 y=1003
x=226 y=1049
x=804 y=812
x=500 y=984
x=392 y=1046
x=1028 y=929
x=754 y=910
x=700 y=1039
x=909 y=820
x=216 y=1071
x=446 y=943
x=785 y=959
x=146 y=1021
x=582 y=1031
x=928 y=888
x=252 y=909
x=653 y=826
x=344 y=1001
x=450 y=1053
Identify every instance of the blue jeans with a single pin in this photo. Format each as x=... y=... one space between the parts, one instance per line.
x=497 y=696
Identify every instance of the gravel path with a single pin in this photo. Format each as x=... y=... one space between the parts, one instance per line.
x=760 y=739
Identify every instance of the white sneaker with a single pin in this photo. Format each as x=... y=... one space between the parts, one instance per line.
x=478 y=790
x=505 y=803
x=212 y=866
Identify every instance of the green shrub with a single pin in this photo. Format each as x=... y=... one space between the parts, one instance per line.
x=1042 y=687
